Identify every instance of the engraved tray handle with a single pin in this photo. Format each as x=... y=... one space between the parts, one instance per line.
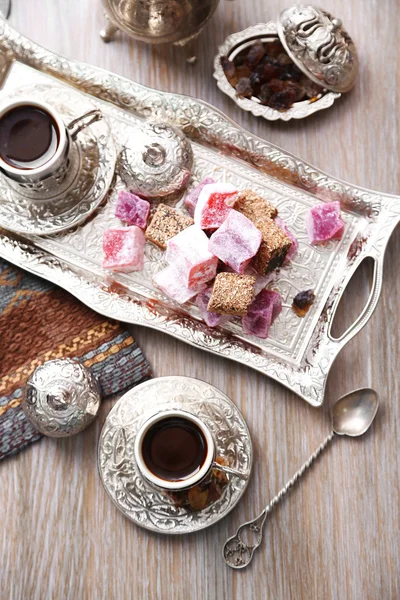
x=373 y=299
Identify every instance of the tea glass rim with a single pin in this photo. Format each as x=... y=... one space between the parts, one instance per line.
x=182 y=484
x=6 y=106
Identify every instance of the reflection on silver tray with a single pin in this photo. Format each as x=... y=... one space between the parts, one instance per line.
x=118 y=469
x=299 y=352
x=91 y=169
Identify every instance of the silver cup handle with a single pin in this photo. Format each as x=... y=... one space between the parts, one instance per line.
x=84 y=121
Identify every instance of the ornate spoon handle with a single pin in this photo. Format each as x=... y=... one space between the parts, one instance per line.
x=239 y=549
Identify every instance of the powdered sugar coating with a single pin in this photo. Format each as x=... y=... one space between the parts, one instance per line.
x=123 y=249
x=192 y=197
x=236 y=242
x=261 y=313
x=189 y=252
x=132 y=209
x=169 y=281
x=323 y=222
x=214 y=204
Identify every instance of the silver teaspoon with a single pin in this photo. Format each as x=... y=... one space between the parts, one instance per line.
x=352 y=415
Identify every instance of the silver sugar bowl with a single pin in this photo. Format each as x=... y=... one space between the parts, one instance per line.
x=157 y=21
x=61 y=398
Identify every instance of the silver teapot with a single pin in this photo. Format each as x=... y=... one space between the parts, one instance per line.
x=157 y=21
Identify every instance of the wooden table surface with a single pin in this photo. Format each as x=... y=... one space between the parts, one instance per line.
x=337 y=535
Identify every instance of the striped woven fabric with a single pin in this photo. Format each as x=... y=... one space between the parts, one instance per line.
x=39 y=322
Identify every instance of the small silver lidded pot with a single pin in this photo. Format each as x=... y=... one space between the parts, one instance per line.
x=318 y=49
x=61 y=398
x=157 y=21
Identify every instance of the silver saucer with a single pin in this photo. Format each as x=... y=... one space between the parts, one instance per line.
x=117 y=466
x=92 y=164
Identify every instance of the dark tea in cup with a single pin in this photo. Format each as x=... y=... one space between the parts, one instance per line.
x=29 y=137
x=174 y=448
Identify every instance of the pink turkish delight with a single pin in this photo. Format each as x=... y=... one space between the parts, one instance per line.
x=169 y=281
x=132 y=209
x=211 y=318
x=214 y=204
x=236 y=242
x=193 y=196
x=123 y=249
x=323 y=223
x=261 y=313
x=295 y=244
x=188 y=251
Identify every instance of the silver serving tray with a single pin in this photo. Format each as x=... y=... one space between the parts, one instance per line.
x=299 y=352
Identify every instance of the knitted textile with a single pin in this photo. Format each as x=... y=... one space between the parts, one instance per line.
x=40 y=322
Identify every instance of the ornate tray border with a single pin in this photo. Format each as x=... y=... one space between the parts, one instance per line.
x=201 y=122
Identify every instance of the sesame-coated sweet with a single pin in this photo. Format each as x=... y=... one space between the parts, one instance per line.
x=273 y=249
x=166 y=223
x=231 y=294
x=211 y=318
x=254 y=207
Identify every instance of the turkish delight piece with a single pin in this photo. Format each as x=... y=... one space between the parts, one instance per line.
x=274 y=247
x=213 y=205
x=132 y=209
x=236 y=242
x=295 y=244
x=231 y=294
x=261 y=280
x=254 y=207
x=211 y=318
x=166 y=223
x=323 y=223
x=169 y=281
x=193 y=196
x=189 y=252
x=123 y=249
x=261 y=313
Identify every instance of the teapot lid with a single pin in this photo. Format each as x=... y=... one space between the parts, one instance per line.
x=319 y=46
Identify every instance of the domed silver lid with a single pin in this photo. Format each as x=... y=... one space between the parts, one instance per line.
x=156 y=161
x=61 y=398
x=319 y=45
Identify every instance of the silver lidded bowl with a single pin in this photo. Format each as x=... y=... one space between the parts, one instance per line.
x=318 y=45
x=156 y=160
x=61 y=398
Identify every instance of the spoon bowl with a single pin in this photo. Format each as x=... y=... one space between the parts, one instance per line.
x=353 y=414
